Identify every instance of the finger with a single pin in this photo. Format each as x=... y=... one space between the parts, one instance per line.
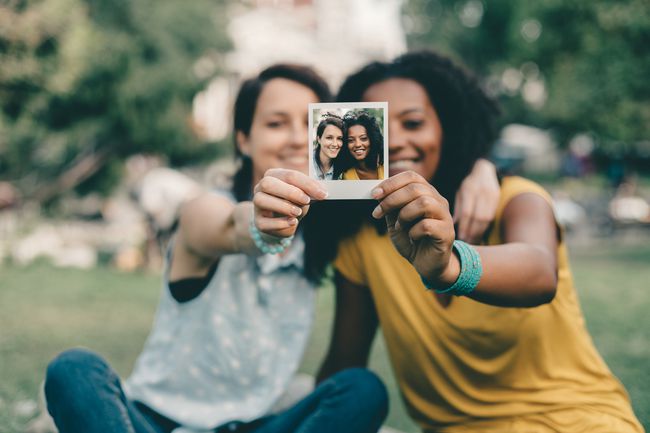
x=279 y=227
x=395 y=201
x=475 y=231
x=458 y=205
x=395 y=183
x=466 y=219
x=484 y=213
x=268 y=203
x=434 y=230
x=421 y=208
x=300 y=180
x=278 y=188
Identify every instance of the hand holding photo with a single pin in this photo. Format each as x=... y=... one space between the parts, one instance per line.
x=348 y=149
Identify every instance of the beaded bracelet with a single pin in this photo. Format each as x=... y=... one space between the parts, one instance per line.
x=471 y=271
x=264 y=246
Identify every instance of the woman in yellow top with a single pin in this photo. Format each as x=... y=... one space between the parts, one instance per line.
x=365 y=147
x=488 y=338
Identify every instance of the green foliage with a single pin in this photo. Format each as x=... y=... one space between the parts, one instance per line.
x=592 y=58
x=98 y=77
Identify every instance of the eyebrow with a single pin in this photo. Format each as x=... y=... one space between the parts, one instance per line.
x=410 y=110
x=275 y=113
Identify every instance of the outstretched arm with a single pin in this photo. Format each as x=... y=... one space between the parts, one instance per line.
x=521 y=272
x=353 y=330
x=211 y=226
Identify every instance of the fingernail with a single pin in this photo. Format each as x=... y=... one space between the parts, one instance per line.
x=376 y=213
x=296 y=211
x=292 y=221
x=397 y=225
x=306 y=199
x=377 y=192
x=322 y=194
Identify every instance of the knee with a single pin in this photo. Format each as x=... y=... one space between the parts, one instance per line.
x=69 y=370
x=366 y=388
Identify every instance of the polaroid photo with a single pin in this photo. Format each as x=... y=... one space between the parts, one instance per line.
x=348 y=147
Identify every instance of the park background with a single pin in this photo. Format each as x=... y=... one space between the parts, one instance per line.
x=114 y=112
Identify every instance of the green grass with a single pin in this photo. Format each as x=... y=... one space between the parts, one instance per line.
x=44 y=310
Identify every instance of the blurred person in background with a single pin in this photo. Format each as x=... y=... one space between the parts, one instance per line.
x=498 y=342
x=234 y=316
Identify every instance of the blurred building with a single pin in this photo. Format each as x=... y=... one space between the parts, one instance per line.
x=334 y=36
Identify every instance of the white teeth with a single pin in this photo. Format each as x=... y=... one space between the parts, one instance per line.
x=296 y=161
x=404 y=164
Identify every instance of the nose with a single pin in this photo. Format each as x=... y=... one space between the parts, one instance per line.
x=299 y=135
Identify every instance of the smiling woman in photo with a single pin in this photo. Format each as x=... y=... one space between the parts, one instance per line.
x=329 y=141
x=364 y=142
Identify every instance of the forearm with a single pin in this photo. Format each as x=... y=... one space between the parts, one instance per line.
x=514 y=275
x=211 y=226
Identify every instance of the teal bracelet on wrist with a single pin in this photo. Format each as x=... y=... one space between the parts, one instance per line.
x=470 y=274
x=264 y=246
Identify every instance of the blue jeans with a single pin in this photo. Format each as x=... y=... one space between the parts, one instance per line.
x=85 y=395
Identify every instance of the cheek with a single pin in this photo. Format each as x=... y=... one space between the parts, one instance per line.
x=431 y=153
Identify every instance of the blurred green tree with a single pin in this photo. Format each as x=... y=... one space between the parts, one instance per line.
x=86 y=83
x=570 y=66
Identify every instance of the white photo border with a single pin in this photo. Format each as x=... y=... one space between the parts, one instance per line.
x=348 y=189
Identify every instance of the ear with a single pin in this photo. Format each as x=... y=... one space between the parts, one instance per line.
x=243 y=144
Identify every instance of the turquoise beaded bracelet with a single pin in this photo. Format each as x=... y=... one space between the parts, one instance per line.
x=267 y=247
x=471 y=271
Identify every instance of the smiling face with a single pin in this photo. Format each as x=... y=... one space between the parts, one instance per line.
x=279 y=133
x=331 y=141
x=415 y=132
x=358 y=142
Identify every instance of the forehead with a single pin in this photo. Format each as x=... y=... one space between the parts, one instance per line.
x=285 y=96
x=356 y=130
x=400 y=93
x=332 y=129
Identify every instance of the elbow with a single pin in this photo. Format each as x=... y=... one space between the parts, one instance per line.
x=545 y=289
x=547 y=279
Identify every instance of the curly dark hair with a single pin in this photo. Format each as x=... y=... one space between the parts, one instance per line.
x=334 y=120
x=375 y=155
x=466 y=113
x=468 y=118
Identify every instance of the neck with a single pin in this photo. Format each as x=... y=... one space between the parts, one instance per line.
x=362 y=166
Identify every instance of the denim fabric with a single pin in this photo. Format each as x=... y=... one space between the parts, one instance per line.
x=85 y=395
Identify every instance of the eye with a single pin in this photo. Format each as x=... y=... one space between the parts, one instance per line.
x=412 y=124
x=275 y=123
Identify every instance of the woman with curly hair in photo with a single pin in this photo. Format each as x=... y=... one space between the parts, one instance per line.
x=364 y=142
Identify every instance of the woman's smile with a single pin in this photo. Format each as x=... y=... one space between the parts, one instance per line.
x=358 y=142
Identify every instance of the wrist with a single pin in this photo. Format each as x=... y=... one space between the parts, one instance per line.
x=451 y=273
x=266 y=243
x=455 y=281
x=441 y=278
x=241 y=219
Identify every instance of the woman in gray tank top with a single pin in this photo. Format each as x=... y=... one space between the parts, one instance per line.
x=237 y=302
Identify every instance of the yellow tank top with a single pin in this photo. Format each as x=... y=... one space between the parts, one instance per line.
x=475 y=367
x=351 y=173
